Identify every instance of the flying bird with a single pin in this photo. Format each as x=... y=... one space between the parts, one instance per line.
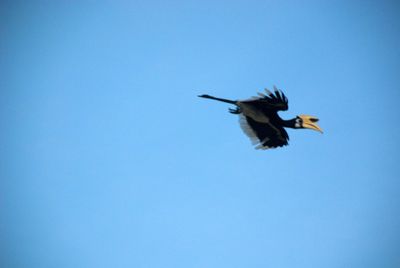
x=259 y=119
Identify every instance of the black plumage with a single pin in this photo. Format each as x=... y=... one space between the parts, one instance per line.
x=260 y=121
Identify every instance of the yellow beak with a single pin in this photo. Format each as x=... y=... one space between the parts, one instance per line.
x=310 y=122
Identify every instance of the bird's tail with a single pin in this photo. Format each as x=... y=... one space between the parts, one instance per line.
x=218 y=99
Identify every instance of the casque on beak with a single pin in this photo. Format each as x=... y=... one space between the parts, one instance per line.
x=310 y=122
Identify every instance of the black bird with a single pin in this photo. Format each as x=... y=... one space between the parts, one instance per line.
x=259 y=119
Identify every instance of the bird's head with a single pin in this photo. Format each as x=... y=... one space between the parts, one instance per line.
x=307 y=121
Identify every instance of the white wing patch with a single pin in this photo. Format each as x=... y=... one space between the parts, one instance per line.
x=248 y=130
x=251 y=134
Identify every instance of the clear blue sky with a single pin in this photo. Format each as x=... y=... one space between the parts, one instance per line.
x=108 y=158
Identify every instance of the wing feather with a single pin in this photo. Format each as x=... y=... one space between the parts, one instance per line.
x=264 y=135
x=276 y=101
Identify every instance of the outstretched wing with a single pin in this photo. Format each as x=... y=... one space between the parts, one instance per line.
x=268 y=102
x=264 y=135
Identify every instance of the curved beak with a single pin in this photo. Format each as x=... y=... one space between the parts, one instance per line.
x=310 y=122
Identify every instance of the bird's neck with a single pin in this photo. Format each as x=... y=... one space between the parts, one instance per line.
x=289 y=123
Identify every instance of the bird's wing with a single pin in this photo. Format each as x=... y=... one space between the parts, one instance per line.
x=275 y=101
x=264 y=135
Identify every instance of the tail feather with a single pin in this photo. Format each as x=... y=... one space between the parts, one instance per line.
x=218 y=99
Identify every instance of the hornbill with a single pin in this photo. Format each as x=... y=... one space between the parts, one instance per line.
x=259 y=119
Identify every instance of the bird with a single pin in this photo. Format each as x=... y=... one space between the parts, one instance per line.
x=259 y=119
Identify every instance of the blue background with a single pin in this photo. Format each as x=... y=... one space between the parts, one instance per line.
x=108 y=158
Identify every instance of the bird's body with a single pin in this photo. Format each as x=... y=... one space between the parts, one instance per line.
x=260 y=121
